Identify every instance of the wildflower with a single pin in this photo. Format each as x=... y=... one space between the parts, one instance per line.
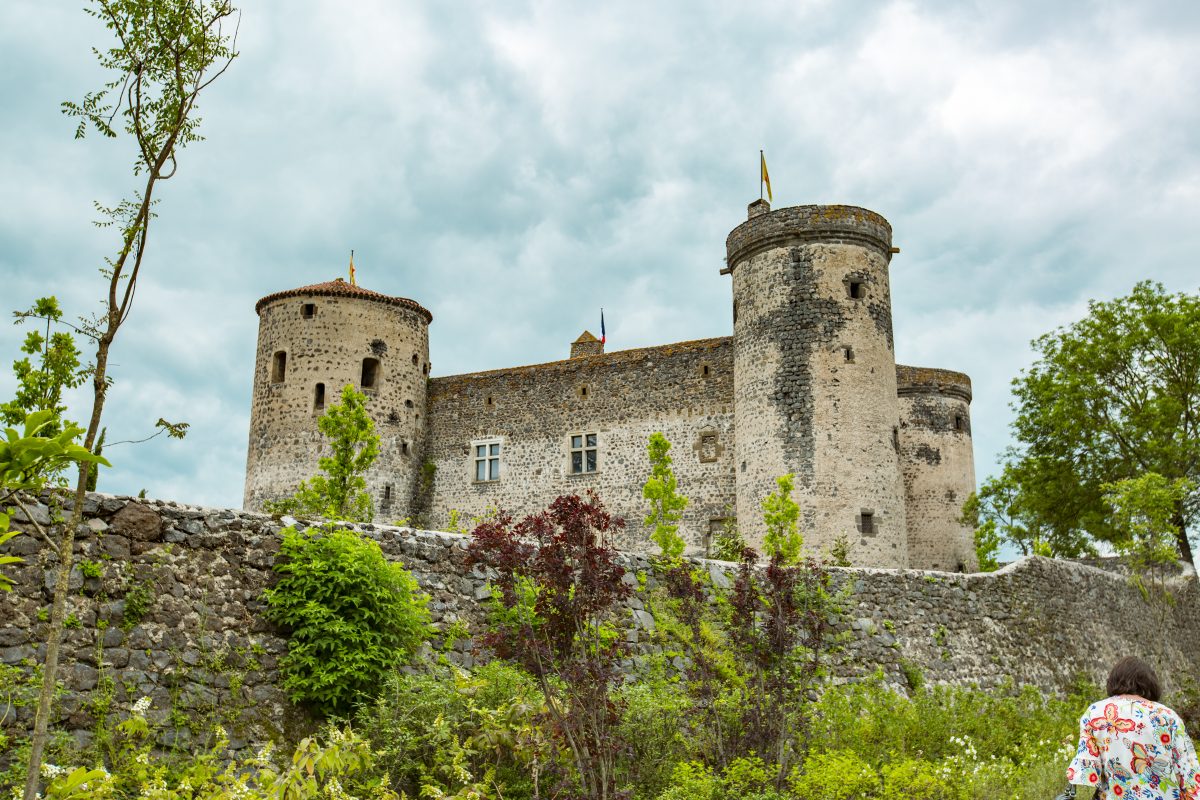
x=141 y=707
x=51 y=771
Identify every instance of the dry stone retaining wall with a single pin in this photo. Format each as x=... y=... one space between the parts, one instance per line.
x=176 y=614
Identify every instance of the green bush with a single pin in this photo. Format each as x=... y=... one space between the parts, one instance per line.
x=836 y=775
x=353 y=617
x=653 y=722
x=445 y=730
x=913 y=779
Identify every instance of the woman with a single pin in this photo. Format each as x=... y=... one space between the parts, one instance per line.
x=1130 y=746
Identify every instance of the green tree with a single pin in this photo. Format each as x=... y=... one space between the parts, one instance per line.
x=1143 y=508
x=998 y=514
x=781 y=515
x=1113 y=396
x=40 y=386
x=165 y=54
x=666 y=504
x=341 y=493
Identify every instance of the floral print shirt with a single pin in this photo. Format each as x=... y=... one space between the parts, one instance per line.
x=1132 y=748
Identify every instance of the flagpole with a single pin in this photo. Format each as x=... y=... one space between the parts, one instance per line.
x=760 y=179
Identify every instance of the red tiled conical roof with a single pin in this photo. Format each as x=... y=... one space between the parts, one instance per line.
x=340 y=288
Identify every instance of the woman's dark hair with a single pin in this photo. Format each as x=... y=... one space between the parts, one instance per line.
x=1131 y=675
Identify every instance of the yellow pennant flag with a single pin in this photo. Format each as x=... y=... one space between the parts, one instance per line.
x=352 y=283
x=765 y=177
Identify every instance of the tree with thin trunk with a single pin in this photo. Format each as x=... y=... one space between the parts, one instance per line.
x=165 y=54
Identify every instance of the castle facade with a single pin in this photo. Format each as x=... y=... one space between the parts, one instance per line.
x=807 y=384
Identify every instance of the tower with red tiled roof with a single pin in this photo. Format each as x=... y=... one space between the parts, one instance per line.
x=314 y=340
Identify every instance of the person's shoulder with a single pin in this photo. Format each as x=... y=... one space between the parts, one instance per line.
x=1164 y=713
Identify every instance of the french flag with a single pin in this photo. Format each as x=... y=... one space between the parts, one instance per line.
x=603 y=338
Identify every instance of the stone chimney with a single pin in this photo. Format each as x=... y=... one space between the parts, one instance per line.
x=586 y=345
x=757 y=208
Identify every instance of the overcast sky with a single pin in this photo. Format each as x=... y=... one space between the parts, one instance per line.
x=515 y=166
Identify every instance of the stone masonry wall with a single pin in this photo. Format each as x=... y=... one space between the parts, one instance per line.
x=198 y=645
x=815 y=376
x=938 y=464
x=326 y=333
x=681 y=390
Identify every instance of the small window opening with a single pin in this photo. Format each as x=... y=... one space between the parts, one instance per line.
x=404 y=447
x=426 y=369
x=735 y=311
x=959 y=423
x=415 y=359
x=308 y=310
x=488 y=401
x=858 y=290
x=704 y=371
x=370 y=372
x=583 y=391
x=319 y=397
x=868 y=522
x=408 y=403
x=387 y=493
x=896 y=438
x=279 y=367
x=848 y=352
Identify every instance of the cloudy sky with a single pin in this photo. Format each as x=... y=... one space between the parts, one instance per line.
x=515 y=166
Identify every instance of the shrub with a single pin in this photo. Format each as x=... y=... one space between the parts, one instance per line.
x=352 y=617
x=836 y=775
x=912 y=779
x=653 y=722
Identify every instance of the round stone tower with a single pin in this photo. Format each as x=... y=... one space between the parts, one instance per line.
x=815 y=376
x=938 y=462
x=313 y=341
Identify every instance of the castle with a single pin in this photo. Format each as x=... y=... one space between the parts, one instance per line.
x=807 y=384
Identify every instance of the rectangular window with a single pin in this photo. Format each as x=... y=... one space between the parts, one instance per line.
x=583 y=453
x=308 y=310
x=370 y=372
x=487 y=461
x=868 y=524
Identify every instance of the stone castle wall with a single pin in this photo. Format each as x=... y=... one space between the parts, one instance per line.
x=683 y=391
x=326 y=333
x=815 y=376
x=938 y=466
x=198 y=643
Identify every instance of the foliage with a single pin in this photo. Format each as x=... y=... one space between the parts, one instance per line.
x=29 y=459
x=1000 y=514
x=352 y=617
x=1111 y=397
x=560 y=590
x=728 y=543
x=781 y=514
x=166 y=53
x=445 y=730
x=341 y=493
x=666 y=504
x=654 y=724
x=781 y=627
x=836 y=775
x=1143 y=509
x=318 y=767
x=40 y=387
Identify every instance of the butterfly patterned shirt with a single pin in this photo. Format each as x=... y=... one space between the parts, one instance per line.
x=1131 y=748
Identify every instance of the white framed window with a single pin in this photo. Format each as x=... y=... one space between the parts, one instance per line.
x=583 y=453
x=486 y=457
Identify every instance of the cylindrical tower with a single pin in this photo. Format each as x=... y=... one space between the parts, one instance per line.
x=938 y=462
x=815 y=376
x=314 y=340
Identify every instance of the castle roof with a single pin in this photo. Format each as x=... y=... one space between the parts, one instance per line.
x=586 y=336
x=340 y=288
